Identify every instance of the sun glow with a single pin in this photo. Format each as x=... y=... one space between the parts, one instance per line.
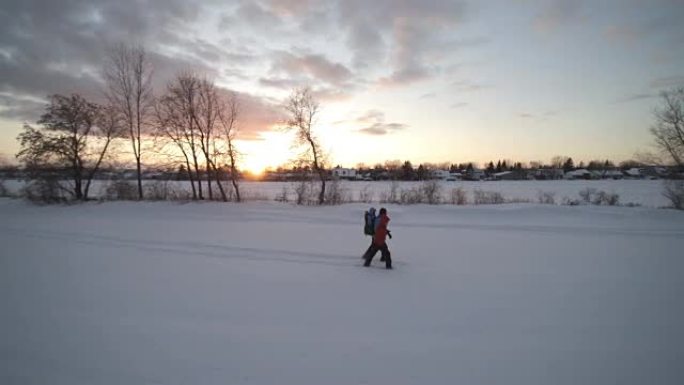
x=271 y=151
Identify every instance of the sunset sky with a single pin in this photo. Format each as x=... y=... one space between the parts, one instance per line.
x=419 y=80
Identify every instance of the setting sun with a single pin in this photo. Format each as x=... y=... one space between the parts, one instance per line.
x=271 y=151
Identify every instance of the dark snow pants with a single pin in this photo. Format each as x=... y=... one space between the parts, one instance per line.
x=384 y=251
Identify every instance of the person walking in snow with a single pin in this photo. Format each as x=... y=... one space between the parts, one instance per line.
x=380 y=241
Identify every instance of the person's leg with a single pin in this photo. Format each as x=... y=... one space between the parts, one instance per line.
x=386 y=256
x=371 y=253
x=368 y=250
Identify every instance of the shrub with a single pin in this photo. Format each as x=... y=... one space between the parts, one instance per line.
x=121 y=189
x=391 y=196
x=335 y=194
x=674 y=192
x=366 y=195
x=302 y=192
x=44 y=190
x=570 y=202
x=3 y=190
x=410 y=196
x=599 y=197
x=608 y=199
x=458 y=197
x=157 y=190
x=481 y=197
x=546 y=197
x=587 y=194
x=431 y=192
x=283 y=196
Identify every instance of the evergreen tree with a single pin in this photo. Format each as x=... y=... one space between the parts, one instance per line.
x=569 y=165
x=470 y=171
x=422 y=172
x=490 y=168
x=407 y=172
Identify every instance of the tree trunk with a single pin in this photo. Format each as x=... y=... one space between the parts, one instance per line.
x=217 y=176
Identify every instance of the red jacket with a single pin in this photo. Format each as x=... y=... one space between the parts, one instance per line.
x=381 y=230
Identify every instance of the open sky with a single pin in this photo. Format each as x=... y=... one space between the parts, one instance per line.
x=419 y=80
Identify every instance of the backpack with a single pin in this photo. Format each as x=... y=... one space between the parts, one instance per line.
x=369 y=222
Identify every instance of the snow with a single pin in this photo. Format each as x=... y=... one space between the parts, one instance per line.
x=269 y=293
x=640 y=192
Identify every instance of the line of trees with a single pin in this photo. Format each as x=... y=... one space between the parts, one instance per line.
x=193 y=124
x=64 y=152
x=407 y=171
x=198 y=121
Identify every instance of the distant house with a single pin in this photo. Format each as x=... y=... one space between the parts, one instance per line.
x=440 y=174
x=547 y=173
x=634 y=173
x=612 y=174
x=344 y=173
x=510 y=175
x=654 y=172
x=473 y=174
x=454 y=176
x=578 y=174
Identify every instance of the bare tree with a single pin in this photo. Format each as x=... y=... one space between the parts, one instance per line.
x=302 y=110
x=559 y=161
x=129 y=90
x=72 y=142
x=173 y=124
x=668 y=130
x=209 y=116
x=175 y=120
x=668 y=133
x=228 y=114
x=200 y=122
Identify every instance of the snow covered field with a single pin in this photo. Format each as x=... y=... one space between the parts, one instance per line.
x=269 y=293
x=641 y=192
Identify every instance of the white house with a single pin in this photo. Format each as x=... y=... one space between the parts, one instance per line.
x=440 y=174
x=578 y=174
x=633 y=173
x=612 y=174
x=343 y=173
x=453 y=176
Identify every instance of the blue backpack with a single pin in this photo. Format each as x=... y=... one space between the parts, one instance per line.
x=369 y=222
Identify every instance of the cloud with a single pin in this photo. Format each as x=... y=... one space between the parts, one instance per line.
x=371 y=116
x=555 y=14
x=284 y=83
x=469 y=86
x=539 y=117
x=257 y=115
x=405 y=76
x=374 y=122
x=291 y=7
x=668 y=82
x=635 y=97
x=661 y=19
x=19 y=107
x=403 y=34
x=459 y=105
x=315 y=66
x=58 y=46
x=382 y=128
